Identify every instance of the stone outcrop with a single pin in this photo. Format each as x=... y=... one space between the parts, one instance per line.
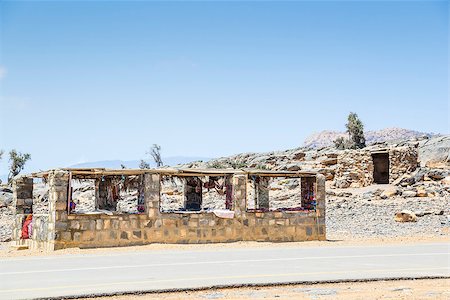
x=435 y=152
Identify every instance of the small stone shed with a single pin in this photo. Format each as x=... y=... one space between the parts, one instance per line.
x=363 y=167
x=248 y=213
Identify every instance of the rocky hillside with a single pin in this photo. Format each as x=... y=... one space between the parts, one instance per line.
x=351 y=213
x=326 y=138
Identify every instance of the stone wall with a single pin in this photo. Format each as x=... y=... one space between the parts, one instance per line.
x=103 y=230
x=402 y=160
x=23 y=194
x=354 y=169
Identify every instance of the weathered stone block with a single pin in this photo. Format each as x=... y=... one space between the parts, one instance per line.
x=77 y=236
x=99 y=224
x=60 y=226
x=87 y=236
x=61 y=205
x=65 y=236
x=115 y=224
x=84 y=225
x=74 y=224
x=158 y=223
x=169 y=223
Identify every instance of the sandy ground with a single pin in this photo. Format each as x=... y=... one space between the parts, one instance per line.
x=6 y=250
x=397 y=289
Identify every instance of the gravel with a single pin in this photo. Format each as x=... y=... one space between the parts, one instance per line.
x=348 y=218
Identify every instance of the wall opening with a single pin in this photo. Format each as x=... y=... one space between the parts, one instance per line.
x=195 y=193
x=308 y=186
x=380 y=168
x=107 y=194
x=269 y=193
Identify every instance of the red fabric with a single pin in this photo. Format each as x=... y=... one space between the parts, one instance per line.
x=25 y=233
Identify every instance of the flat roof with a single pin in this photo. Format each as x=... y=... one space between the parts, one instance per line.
x=96 y=172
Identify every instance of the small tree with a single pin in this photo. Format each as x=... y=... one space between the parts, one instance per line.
x=144 y=165
x=155 y=153
x=355 y=129
x=17 y=163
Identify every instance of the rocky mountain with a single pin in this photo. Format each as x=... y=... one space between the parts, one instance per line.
x=326 y=137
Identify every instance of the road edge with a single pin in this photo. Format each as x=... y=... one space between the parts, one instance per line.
x=232 y=286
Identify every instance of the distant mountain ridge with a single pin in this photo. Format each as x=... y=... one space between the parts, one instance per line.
x=325 y=138
x=134 y=164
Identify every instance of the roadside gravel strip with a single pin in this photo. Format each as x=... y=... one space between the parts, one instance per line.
x=238 y=286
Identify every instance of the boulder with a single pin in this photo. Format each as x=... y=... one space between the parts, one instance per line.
x=341 y=183
x=422 y=213
x=446 y=180
x=330 y=193
x=329 y=161
x=299 y=155
x=405 y=216
x=435 y=151
x=437 y=174
x=344 y=194
x=293 y=167
x=367 y=196
x=389 y=192
x=409 y=194
x=421 y=192
x=6 y=198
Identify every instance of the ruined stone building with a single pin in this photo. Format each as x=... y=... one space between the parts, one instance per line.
x=103 y=208
x=363 y=167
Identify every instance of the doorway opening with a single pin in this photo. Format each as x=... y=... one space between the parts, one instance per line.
x=380 y=168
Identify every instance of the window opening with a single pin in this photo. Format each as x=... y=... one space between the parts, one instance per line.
x=278 y=193
x=196 y=193
x=308 y=192
x=193 y=193
x=108 y=194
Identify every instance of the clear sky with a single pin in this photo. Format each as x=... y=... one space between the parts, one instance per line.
x=87 y=81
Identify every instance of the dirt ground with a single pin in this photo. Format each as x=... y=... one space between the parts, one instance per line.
x=397 y=289
x=6 y=250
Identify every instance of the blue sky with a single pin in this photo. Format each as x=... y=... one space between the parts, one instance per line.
x=86 y=81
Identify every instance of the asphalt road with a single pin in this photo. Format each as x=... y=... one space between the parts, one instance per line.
x=34 y=277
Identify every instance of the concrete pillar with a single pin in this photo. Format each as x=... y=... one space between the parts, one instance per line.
x=151 y=192
x=320 y=207
x=239 y=195
x=58 y=181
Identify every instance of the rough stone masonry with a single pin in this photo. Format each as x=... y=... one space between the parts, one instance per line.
x=58 y=229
